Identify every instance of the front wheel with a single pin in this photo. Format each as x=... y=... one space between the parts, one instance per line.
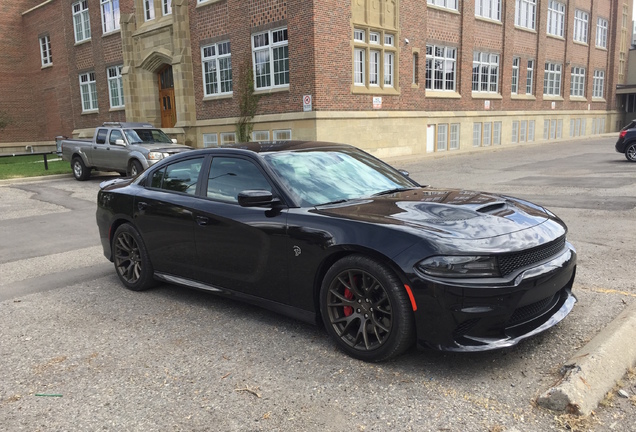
x=134 y=168
x=366 y=309
x=630 y=152
x=80 y=171
x=131 y=259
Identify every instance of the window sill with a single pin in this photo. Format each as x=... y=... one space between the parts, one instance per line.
x=415 y=86
x=82 y=42
x=488 y=20
x=376 y=90
x=271 y=90
x=90 y=112
x=206 y=3
x=526 y=29
x=580 y=43
x=442 y=9
x=552 y=98
x=442 y=94
x=115 y=109
x=597 y=99
x=601 y=48
x=219 y=96
x=578 y=99
x=523 y=97
x=112 y=32
x=557 y=37
x=50 y=65
x=486 y=95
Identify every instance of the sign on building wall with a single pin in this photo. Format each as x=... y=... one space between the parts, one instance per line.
x=377 y=102
x=307 y=103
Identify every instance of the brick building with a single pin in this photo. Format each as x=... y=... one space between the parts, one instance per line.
x=396 y=77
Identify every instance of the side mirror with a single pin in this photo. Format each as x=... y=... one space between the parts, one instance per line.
x=174 y=140
x=256 y=198
x=120 y=142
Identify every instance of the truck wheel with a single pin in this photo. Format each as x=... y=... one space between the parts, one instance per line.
x=80 y=171
x=134 y=168
x=630 y=152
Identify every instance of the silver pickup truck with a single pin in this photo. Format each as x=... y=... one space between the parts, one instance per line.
x=127 y=148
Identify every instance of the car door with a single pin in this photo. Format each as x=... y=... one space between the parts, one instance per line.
x=241 y=248
x=97 y=156
x=164 y=215
x=117 y=154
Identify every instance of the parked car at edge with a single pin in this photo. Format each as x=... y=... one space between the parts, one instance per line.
x=627 y=141
x=327 y=233
x=127 y=148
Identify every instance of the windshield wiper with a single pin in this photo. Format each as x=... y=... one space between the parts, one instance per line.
x=333 y=202
x=390 y=191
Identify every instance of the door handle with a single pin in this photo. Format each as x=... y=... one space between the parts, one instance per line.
x=202 y=220
x=142 y=206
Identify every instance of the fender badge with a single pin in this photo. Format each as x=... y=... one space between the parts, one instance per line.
x=297 y=251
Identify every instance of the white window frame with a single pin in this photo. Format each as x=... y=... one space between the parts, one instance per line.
x=546 y=129
x=598 y=84
x=110 y=15
x=379 y=70
x=444 y=58
x=228 y=138
x=556 y=18
x=577 y=82
x=515 y=132
x=601 y=33
x=261 y=135
x=496 y=133
x=514 y=82
x=454 y=136
x=531 y=131
x=523 y=130
x=581 y=19
x=115 y=86
x=486 y=79
x=45 y=51
x=442 y=137
x=552 y=79
x=447 y=4
x=88 y=91
x=530 y=76
x=166 y=7
x=210 y=140
x=526 y=14
x=216 y=58
x=263 y=56
x=476 y=134
x=486 y=136
x=282 y=135
x=149 y=10
x=490 y=9
x=81 y=21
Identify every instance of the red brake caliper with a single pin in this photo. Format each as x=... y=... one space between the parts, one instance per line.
x=348 y=310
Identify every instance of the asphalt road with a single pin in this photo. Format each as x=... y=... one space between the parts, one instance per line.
x=79 y=352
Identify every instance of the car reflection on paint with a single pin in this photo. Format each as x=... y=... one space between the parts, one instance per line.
x=329 y=234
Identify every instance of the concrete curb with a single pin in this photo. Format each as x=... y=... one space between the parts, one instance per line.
x=595 y=369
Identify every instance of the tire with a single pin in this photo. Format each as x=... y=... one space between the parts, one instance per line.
x=134 y=168
x=80 y=171
x=630 y=152
x=371 y=319
x=131 y=260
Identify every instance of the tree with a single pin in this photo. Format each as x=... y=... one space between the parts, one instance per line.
x=248 y=101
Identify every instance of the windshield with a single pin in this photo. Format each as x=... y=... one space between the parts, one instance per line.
x=146 y=136
x=323 y=176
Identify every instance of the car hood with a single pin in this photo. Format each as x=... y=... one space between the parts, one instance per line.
x=451 y=213
x=164 y=147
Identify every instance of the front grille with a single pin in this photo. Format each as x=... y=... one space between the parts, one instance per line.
x=526 y=313
x=510 y=262
x=464 y=327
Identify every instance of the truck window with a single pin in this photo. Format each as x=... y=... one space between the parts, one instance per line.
x=115 y=135
x=101 y=136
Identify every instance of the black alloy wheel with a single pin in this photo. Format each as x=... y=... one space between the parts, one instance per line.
x=630 y=152
x=80 y=172
x=134 y=168
x=366 y=309
x=131 y=259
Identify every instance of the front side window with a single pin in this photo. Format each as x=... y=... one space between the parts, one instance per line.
x=440 y=68
x=81 y=21
x=601 y=33
x=374 y=55
x=180 y=176
x=598 y=84
x=526 y=13
x=514 y=85
x=488 y=9
x=110 y=15
x=88 y=91
x=217 y=69
x=556 y=18
x=230 y=176
x=45 y=51
x=485 y=72
x=580 y=26
x=530 y=77
x=552 y=79
x=271 y=59
x=577 y=82
x=115 y=87
x=448 y=4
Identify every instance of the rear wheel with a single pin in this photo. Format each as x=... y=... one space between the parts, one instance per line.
x=134 y=168
x=80 y=171
x=131 y=259
x=366 y=309
x=630 y=152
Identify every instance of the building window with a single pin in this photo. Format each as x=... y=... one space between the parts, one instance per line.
x=577 y=82
x=282 y=135
x=81 y=21
x=530 y=77
x=476 y=134
x=523 y=129
x=546 y=129
x=88 y=91
x=217 y=69
x=580 y=26
x=210 y=140
x=115 y=87
x=490 y=9
x=515 y=131
x=598 y=84
x=271 y=59
x=454 y=136
x=496 y=133
x=228 y=138
x=416 y=68
x=45 y=51
x=559 y=128
x=556 y=18
x=526 y=13
x=381 y=52
x=110 y=15
x=601 y=33
x=552 y=79
x=485 y=72
x=260 y=136
x=149 y=10
x=514 y=85
x=442 y=137
x=167 y=7
x=440 y=68
x=531 y=131
x=448 y=4
x=486 y=136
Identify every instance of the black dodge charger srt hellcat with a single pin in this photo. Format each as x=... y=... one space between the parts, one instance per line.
x=327 y=233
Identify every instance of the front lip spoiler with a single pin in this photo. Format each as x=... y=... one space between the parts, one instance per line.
x=493 y=344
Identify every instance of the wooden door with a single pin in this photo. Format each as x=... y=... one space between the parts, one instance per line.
x=166 y=97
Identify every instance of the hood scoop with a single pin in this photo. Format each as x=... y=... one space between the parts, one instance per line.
x=492 y=208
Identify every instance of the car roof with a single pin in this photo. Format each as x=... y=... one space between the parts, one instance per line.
x=264 y=147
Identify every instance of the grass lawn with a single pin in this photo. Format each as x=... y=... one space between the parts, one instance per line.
x=32 y=166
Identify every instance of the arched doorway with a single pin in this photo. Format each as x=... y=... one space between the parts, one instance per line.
x=166 y=97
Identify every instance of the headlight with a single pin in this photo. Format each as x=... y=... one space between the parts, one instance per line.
x=460 y=266
x=155 y=155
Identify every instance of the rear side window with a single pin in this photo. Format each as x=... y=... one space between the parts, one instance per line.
x=229 y=176
x=178 y=177
x=101 y=136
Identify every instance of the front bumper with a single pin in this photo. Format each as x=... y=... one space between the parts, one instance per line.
x=480 y=315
